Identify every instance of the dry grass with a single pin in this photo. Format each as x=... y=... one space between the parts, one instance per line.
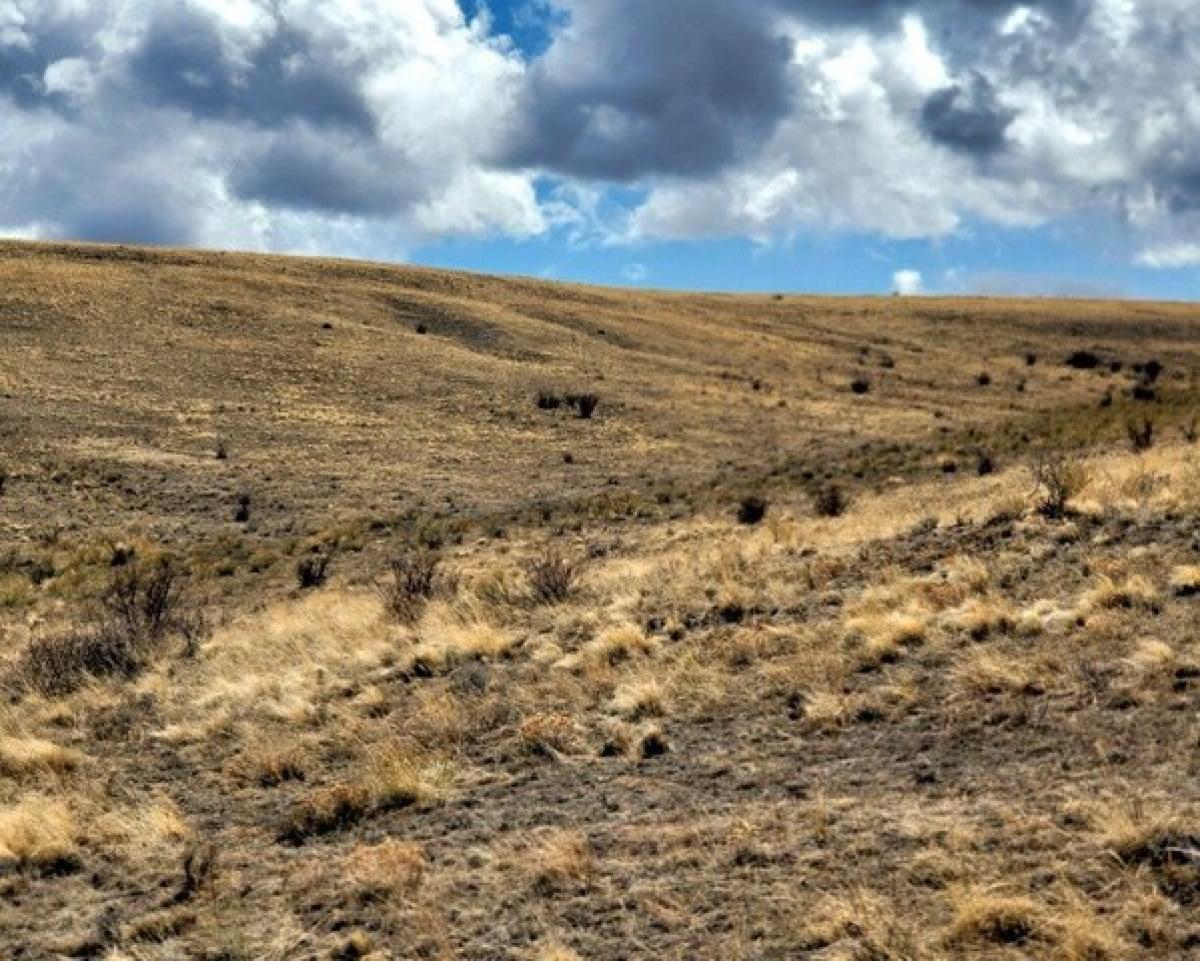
x=941 y=724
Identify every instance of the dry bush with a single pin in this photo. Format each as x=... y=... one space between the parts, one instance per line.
x=412 y=582
x=1108 y=594
x=1057 y=479
x=1141 y=434
x=752 y=510
x=271 y=763
x=145 y=599
x=59 y=664
x=551 y=577
x=324 y=810
x=550 y=734
x=1185 y=580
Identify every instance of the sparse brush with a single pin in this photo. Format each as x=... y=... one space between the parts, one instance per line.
x=551 y=577
x=584 y=404
x=145 y=599
x=412 y=582
x=1057 y=479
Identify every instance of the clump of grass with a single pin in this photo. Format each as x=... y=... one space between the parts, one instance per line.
x=1185 y=580
x=752 y=510
x=325 y=810
x=988 y=916
x=391 y=868
x=552 y=577
x=412 y=582
x=830 y=501
x=550 y=734
x=559 y=860
x=21 y=756
x=398 y=775
x=40 y=834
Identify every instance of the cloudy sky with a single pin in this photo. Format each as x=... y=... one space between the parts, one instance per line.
x=841 y=145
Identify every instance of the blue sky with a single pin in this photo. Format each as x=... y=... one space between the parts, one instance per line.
x=840 y=146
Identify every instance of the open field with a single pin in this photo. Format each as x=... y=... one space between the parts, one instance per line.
x=552 y=699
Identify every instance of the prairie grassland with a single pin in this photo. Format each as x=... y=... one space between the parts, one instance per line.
x=587 y=714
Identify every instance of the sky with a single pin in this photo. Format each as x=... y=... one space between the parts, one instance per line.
x=843 y=146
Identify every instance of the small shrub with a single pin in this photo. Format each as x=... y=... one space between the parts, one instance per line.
x=313 y=571
x=1141 y=434
x=1191 y=430
x=860 y=385
x=1030 y=359
x=3 y=479
x=221 y=452
x=241 y=513
x=1083 y=360
x=551 y=577
x=586 y=404
x=752 y=510
x=1145 y=393
x=422 y=329
x=983 y=379
x=145 y=599
x=830 y=501
x=548 y=401
x=413 y=581
x=985 y=464
x=1058 y=478
x=1151 y=371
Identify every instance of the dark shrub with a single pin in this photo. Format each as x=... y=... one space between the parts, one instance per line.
x=586 y=405
x=62 y=663
x=1031 y=359
x=1107 y=399
x=751 y=510
x=1144 y=392
x=551 y=577
x=3 y=479
x=1141 y=434
x=412 y=582
x=860 y=385
x=221 y=452
x=1190 y=430
x=1151 y=370
x=1115 y=366
x=548 y=401
x=241 y=513
x=983 y=378
x=422 y=329
x=984 y=463
x=830 y=501
x=313 y=571
x=1083 y=360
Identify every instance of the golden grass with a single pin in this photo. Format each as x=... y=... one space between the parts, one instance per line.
x=38 y=832
x=23 y=756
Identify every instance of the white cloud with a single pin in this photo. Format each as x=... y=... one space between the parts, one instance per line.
x=907 y=283
x=1182 y=254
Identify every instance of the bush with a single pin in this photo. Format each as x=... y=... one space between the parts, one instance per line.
x=551 y=577
x=144 y=599
x=1141 y=434
x=860 y=385
x=1151 y=370
x=752 y=510
x=586 y=404
x=830 y=501
x=548 y=401
x=1190 y=430
x=413 y=581
x=1145 y=392
x=241 y=513
x=1058 y=478
x=3 y=479
x=1030 y=359
x=985 y=464
x=60 y=664
x=1083 y=360
x=221 y=452
x=983 y=379
x=313 y=571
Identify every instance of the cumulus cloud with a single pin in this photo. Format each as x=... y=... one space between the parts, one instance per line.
x=907 y=283
x=366 y=126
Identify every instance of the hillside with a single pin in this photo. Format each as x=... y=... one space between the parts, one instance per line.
x=552 y=699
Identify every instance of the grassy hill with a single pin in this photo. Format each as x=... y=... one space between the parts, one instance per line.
x=330 y=627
